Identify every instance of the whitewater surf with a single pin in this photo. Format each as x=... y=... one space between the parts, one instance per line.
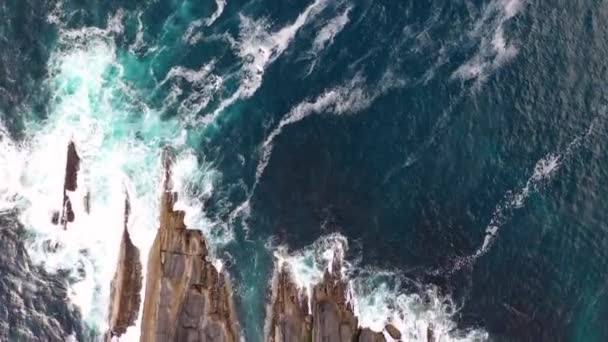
x=305 y=170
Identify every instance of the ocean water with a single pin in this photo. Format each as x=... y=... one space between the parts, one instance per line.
x=451 y=152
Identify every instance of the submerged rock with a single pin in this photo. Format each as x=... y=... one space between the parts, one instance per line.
x=186 y=298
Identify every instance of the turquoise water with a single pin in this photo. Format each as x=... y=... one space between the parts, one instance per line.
x=453 y=151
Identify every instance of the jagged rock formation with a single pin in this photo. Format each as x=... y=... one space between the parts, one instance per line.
x=186 y=298
x=35 y=305
x=332 y=317
x=125 y=297
x=72 y=166
x=289 y=318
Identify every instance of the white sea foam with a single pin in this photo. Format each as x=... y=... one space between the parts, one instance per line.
x=494 y=49
x=119 y=141
x=328 y=33
x=339 y=100
x=220 y=5
x=379 y=299
x=325 y=37
x=308 y=265
x=349 y=98
x=378 y=296
x=204 y=85
x=89 y=245
x=544 y=170
x=140 y=45
x=258 y=47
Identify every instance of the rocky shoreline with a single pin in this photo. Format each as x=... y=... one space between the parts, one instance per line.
x=125 y=297
x=327 y=316
x=187 y=298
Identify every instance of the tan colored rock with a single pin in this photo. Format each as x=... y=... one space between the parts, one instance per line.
x=289 y=320
x=126 y=286
x=332 y=317
x=186 y=298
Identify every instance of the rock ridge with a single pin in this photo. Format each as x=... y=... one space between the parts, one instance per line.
x=125 y=298
x=187 y=298
x=327 y=316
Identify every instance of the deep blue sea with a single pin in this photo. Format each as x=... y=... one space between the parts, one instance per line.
x=453 y=150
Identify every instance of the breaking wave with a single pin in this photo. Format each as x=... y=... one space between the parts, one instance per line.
x=118 y=139
x=379 y=297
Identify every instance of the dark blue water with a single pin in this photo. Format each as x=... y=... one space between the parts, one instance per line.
x=416 y=129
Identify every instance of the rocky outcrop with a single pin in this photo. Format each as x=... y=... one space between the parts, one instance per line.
x=326 y=316
x=333 y=317
x=186 y=298
x=35 y=305
x=288 y=315
x=70 y=183
x=125 y=298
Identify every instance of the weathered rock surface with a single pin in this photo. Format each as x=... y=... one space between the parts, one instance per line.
x=332 y=316
x=34 y=304
x=125 y=297
x=289 y=318
x=186 y=298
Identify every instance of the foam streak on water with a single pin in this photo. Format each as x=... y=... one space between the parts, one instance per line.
x=494 y=48
x=352 y=97
x=258 y=47
x=327 y=35
x=190 y=36
x=544 y=170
